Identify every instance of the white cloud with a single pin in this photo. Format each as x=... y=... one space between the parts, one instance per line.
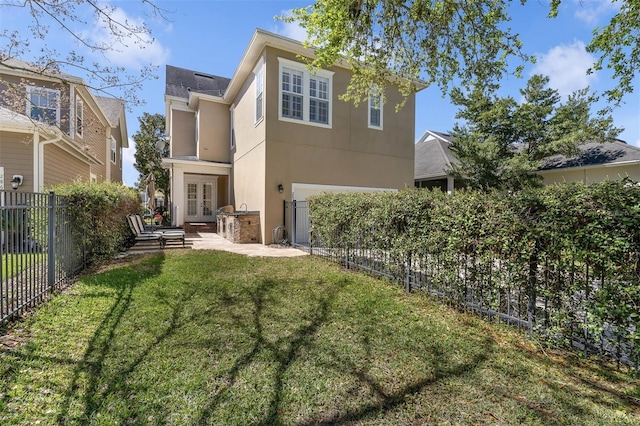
x=130 y=174
x=133 y=51
x=566 y=66
x=591 y=11
x=290 y=30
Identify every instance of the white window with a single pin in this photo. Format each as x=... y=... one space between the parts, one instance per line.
x=305 y=96
x=79 y=115
x=259 y=81
x=375 y=109
x=113 y=150
x=43 y=105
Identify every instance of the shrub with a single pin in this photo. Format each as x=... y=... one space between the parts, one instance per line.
x=98 y=215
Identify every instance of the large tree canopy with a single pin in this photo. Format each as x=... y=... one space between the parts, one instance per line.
x=148 y=157
x=446 y=42
x=501 y=143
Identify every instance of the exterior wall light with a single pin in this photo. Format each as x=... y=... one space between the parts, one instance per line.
x=280 y=188
x=16 y=181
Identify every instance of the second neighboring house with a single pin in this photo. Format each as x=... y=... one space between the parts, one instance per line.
x=276 y=132
x=54 y=130
x=597 y=162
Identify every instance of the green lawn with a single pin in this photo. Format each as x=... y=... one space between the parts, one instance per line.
x=14 y=263
x=202 y=337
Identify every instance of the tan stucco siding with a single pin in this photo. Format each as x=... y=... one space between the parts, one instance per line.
x=222 y=191
x=349 y=153
x=16 y=156
x=183 y=133
x=249 y=181
x=589 y=175
x=61 y=167
x=248 y=133
x=213 y=132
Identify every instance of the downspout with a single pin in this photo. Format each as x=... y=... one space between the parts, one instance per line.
x=38 y=166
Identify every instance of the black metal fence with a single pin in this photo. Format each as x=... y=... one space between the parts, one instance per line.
x=38 y=253
x=297 y=223
x=552 y=297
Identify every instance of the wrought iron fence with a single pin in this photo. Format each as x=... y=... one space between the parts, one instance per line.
x=38 y=253
x=297 y=223
x=551 y=297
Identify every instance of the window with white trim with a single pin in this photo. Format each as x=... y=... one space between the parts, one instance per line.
x=79 y=115
x=113 y=150
x=305 y=96
x=375 y=109
x=259 y=82
x=43 y=104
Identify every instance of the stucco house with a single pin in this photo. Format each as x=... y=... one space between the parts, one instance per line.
x=53 y=129
x=614 y=159
x=276 y=132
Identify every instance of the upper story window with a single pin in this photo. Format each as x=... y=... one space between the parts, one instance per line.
x=113 y=150
x=304 y=96
x=259 y=81
x=43 y=104
x=79 y=115
x=375 y=109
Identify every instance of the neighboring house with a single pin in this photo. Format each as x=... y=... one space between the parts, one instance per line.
x=597 y=162
x=276 y=132
x=54 y=130
x=433 y=159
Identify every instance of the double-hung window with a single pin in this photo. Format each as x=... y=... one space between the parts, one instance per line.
x=375 y=109
x=259 y=81
x=79 y=115
x=43 y=105
x=292 y=93
x=113 y=150
x=305 y=96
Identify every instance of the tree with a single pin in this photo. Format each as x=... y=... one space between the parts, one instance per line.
x=74 y=18
x=501 y=144
x=148 y=158
x=449 y=43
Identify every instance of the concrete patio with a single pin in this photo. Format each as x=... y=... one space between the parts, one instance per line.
x=213 y=241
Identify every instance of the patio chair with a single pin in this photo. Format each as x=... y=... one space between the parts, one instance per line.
x=167 y=234
x=141 y=235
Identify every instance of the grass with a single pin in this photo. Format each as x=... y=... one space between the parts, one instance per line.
x=203 y=337
x=14 y=263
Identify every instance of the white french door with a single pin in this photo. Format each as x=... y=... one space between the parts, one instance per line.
x=200 y=198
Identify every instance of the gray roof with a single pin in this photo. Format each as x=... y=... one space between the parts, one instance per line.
x=181 y=81
x=594 y=153
x=111 y=108
x=433 y=156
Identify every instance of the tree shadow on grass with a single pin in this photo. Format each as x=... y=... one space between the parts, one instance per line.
x=285 y=351
x=291 y=343
x=92 y=366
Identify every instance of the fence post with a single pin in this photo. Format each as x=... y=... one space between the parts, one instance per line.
x=407 y=273
x=51 y=261
x=293 y=223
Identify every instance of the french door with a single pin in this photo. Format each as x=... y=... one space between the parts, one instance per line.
x=200 y=198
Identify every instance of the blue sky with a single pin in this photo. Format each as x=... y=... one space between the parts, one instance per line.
x=212 y=35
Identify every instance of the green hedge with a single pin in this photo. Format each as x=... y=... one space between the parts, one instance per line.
x=98 y=216
x=570 y=253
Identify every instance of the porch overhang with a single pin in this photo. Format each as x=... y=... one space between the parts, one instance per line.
x=194 y=165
